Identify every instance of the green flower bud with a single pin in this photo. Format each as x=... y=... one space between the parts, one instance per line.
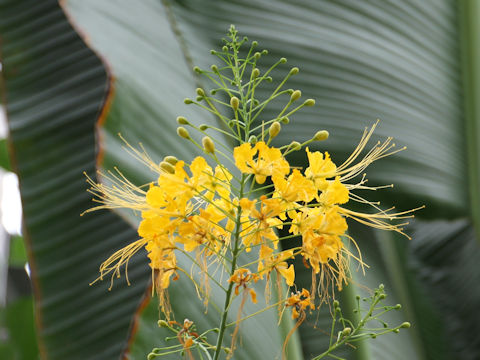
x=197 y=69
x=182 y=132
x=294 y=71
x=225 y=48
x=214 y=68
x=283 y=60
x=405 y=325
x=309 y=102
x=203 y=127
x=151 y=356
x=257 y=55
x=199 y=98
x=285 y=120
x=252 y=139
x=295 y=95
x=398 y=307
x=167 y=167
x=187 y=101
x=170 y=159
x=162 y=323
x=255 y=73
x=254 y=44
x=274 y=129
x=347 y=331
x=396 y=331
x=295 y=145
x=208 y=145
x=213 y=52
x=200 y=92
x=265 y=52
x=182 y=120
x=234 y=102
x=336 y=304
x=321 y=135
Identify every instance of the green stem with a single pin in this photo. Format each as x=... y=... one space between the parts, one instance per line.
x=469 y=10
x=228 y=296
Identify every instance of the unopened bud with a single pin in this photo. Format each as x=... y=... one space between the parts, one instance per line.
x=255 y=73
x=182 y=120
x=396 y=331
x=197 y=70
x=265 y=52
x=295 y=95
x=294 y=71
x=274 y=129
x=254 y=43
x=182 y=132
x=295 y=145
x=405 y=325
x=347 y=331
x=208 y=145
x=336 y=304
x=257 y=55
x=187 y=101
x=151 y=356
x=285 y=120
x=252 y=139
x=214 y=68
x=309 y=102
x=200 y=92
x=162 y=323
x=234 y=102
x=203 y=127
x=321 y=135
x=283 y=60
x=167 y=167
x=225 y=48
x=170 y=159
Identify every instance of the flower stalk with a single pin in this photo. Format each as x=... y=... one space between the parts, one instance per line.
x=213 y=214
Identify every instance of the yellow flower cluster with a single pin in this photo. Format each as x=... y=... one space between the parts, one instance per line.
x=194 y=208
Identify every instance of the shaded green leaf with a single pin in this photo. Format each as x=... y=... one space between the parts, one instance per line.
x=55 y=89
x=17 y=327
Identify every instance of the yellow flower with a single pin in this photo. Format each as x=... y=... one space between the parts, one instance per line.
x=270 y=261
x=320 y=168
x=242 y=277
x=269 y=161
x=258 y=225
x=295 y=188
x=299 y=302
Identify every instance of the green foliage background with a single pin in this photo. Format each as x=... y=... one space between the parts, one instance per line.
x=412 y=64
